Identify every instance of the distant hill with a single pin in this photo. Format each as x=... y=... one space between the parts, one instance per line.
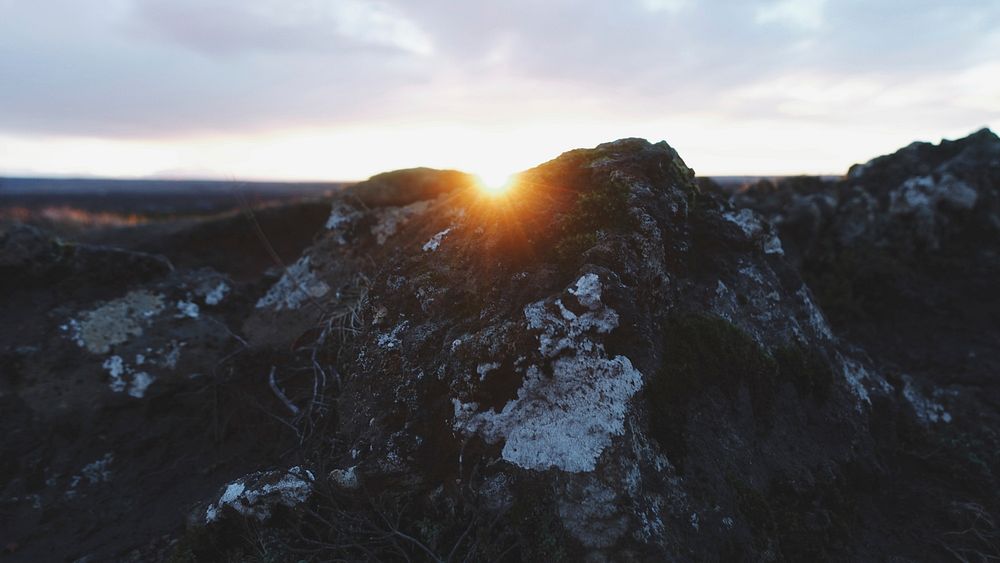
x=22 y=186
x=736 y=182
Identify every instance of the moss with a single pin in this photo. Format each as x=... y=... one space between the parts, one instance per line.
x=807 y=369
x=538 y=529
x=812 y=524
x=202 y=543
x=572 y=246
x=701 y=352
x=755 y=509
x=806 y=525
x=430 y=531
x=970 y=454
x=235 y=540
x=855 y=284
x=603 y=207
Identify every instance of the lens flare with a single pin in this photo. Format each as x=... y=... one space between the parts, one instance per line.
x=494 y=183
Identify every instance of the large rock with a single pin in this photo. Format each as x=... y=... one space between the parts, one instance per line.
x=604 y=363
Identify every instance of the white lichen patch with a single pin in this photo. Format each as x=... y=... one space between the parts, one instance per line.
x=485 y=368
x=215 y=295
x=435 y=241
x=124 y=378
x=171 y=356
x=93 y=473
x=921 y=198
x=816 y=319
x=564 y=330
x=256 y=495
x=115 y=322
x=116 y=370
x=98 y=471
x=391 y=340
x=752 y=227
x=563 y=420
x=773 y=245
x=926 y=410
x=650 y=523
x=925 y=193
x=187 y=309
x=140 y=382
x=342 y=216
x=297 y=286
x=588 y=291
x=751 y=272
x=856 y=374
x=390 y=219
x=745 y=220
x=721 y=290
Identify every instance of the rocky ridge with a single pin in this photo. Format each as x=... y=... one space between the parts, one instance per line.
x=606 y=363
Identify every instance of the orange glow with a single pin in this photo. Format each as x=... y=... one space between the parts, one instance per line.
x=495 y=184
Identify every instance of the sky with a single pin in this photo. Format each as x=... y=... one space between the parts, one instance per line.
x=343 y=89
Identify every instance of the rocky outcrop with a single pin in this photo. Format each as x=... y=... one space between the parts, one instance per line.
x=921 y=199
x=117 y=396
x=607 y=362
x=903 y=256
x=904 y=252
x=549 y=350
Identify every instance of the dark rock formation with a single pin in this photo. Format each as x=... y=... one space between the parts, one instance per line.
x=606 y=363
x=903 y=256
x=119 y=408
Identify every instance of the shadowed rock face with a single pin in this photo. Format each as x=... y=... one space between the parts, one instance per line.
x=904 y=253
x=903 y=256
x=606 y=363
x=919 y=200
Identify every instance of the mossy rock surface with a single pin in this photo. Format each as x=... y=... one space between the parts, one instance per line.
x=700 y=352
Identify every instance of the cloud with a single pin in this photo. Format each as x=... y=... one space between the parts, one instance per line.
x=319 y=26
x=805 y=14
x=185 y=69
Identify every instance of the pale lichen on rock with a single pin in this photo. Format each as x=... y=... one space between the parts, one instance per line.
x=113 y=323
x=125 y=378
x=187 y=309
x=256 y=495
x=215 y=295
x=391 y=219
x=927 y=410
x=565 y=420
x=435 y=241
x=298 y=285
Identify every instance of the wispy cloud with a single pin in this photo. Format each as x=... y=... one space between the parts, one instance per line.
x=167 y=72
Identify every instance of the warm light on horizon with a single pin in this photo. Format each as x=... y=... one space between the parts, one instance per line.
x=759 y=148
x=495 y=184
x=340 y=90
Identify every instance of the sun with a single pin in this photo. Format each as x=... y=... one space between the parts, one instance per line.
x=494 y=184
